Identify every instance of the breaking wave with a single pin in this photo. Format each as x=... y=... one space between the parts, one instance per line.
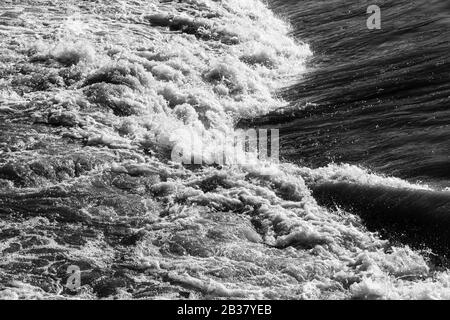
x=92 y=97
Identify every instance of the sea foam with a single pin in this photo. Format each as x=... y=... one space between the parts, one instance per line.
x=109 y=97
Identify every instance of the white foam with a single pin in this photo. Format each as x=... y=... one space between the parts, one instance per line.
x=154 y=85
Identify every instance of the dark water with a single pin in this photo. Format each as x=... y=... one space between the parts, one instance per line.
x=375 y=98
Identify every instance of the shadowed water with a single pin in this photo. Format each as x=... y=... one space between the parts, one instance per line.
x=376 y=98
x=92 y=97
x=418 y=217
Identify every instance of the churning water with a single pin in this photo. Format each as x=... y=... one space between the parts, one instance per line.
x=95 y=95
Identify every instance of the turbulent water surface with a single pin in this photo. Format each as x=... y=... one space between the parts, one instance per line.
x=92 y=99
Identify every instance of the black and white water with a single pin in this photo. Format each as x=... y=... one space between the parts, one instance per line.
x=377 y=98
x=94 y=95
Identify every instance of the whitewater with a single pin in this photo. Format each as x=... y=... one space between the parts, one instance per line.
x=92 y=99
